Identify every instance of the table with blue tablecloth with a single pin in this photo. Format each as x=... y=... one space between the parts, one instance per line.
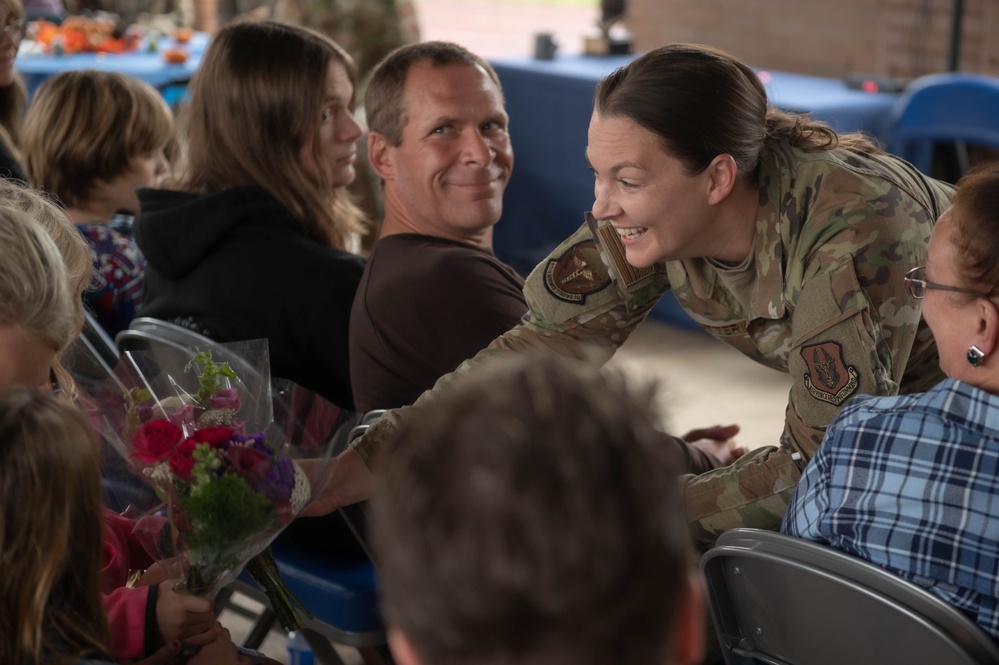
x=149 y=66
x=550 y=102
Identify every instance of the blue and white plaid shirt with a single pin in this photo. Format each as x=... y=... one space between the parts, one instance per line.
x=911 y=483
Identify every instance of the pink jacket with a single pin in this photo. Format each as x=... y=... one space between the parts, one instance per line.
x=131 y=612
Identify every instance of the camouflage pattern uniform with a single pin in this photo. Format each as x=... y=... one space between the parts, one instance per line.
x=836 y=231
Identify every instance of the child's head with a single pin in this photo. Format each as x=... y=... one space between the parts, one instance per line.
x=38 y=311
x=534 y=516
x=49 y=490
x=76 y=252
x=91 y=135
x=272 y=106
x=29 y=323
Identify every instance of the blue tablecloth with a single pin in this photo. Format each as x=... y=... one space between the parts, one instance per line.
x=150 y=67
x=550 y=102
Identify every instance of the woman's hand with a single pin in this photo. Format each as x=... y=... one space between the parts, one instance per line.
x=717 y=441
x=349 y=481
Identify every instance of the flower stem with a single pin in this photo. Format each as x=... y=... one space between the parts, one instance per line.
x=289 y=610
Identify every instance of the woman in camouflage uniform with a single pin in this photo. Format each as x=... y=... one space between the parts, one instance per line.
x=779 y=237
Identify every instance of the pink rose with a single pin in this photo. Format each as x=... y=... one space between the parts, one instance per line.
x=212 y=435
x=226 y=398
x=155 y=440
x=249 y=463
x=182 y=459
x=184 y=417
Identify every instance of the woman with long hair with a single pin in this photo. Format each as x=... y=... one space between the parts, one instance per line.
x=254 y=244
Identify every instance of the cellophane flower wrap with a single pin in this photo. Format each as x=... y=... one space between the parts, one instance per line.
x=198 y=427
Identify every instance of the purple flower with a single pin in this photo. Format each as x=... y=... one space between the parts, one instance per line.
x=248 y=438
x=279 y=480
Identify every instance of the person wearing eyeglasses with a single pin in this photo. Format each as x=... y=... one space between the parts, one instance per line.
x=13 y=95
x=911 y=482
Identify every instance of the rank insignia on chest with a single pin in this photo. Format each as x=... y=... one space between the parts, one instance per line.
x=576 y=273
x=829 y=378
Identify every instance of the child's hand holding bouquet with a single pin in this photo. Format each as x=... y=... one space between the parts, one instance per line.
x=202 y=436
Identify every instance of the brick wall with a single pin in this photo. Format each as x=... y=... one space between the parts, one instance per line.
x=828 y=37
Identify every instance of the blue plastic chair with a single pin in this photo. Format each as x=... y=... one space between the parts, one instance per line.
x=948 y=108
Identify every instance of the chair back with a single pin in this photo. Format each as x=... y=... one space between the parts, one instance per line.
x=782 y=600
x=144 y=330
x=951 y=108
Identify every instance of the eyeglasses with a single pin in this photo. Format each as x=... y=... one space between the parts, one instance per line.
x=15 y=29
x=917 y=285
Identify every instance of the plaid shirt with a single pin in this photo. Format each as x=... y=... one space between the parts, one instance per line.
x=911 y=483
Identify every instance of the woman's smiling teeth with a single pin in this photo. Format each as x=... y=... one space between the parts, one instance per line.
x=632 y=232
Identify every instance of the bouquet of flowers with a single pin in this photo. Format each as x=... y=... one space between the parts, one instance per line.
x=204 y=439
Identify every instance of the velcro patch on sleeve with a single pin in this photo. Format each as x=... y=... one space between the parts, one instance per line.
x=829 y=378
x=576 y=273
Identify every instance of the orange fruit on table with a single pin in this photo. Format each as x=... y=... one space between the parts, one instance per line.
x=175 y=56
x=183 y=35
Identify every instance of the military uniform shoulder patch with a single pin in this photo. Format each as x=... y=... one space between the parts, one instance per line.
x=576 y=273
x=829 y=378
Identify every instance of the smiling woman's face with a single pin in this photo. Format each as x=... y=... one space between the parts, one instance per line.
x=660 y=212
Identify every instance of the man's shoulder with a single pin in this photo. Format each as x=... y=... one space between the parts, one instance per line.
x=410 y=256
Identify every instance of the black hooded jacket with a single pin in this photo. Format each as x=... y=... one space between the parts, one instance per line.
x=235 y=265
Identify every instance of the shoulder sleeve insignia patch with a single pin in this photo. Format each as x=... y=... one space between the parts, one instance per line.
x=829 y=378
x=577 y=273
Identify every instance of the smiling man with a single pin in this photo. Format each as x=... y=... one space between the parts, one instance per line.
x=433 y=293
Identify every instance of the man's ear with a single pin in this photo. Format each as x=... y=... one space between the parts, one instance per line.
x=688 y=629
x=402 y=650
x=722 y=174
x=380 y=155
